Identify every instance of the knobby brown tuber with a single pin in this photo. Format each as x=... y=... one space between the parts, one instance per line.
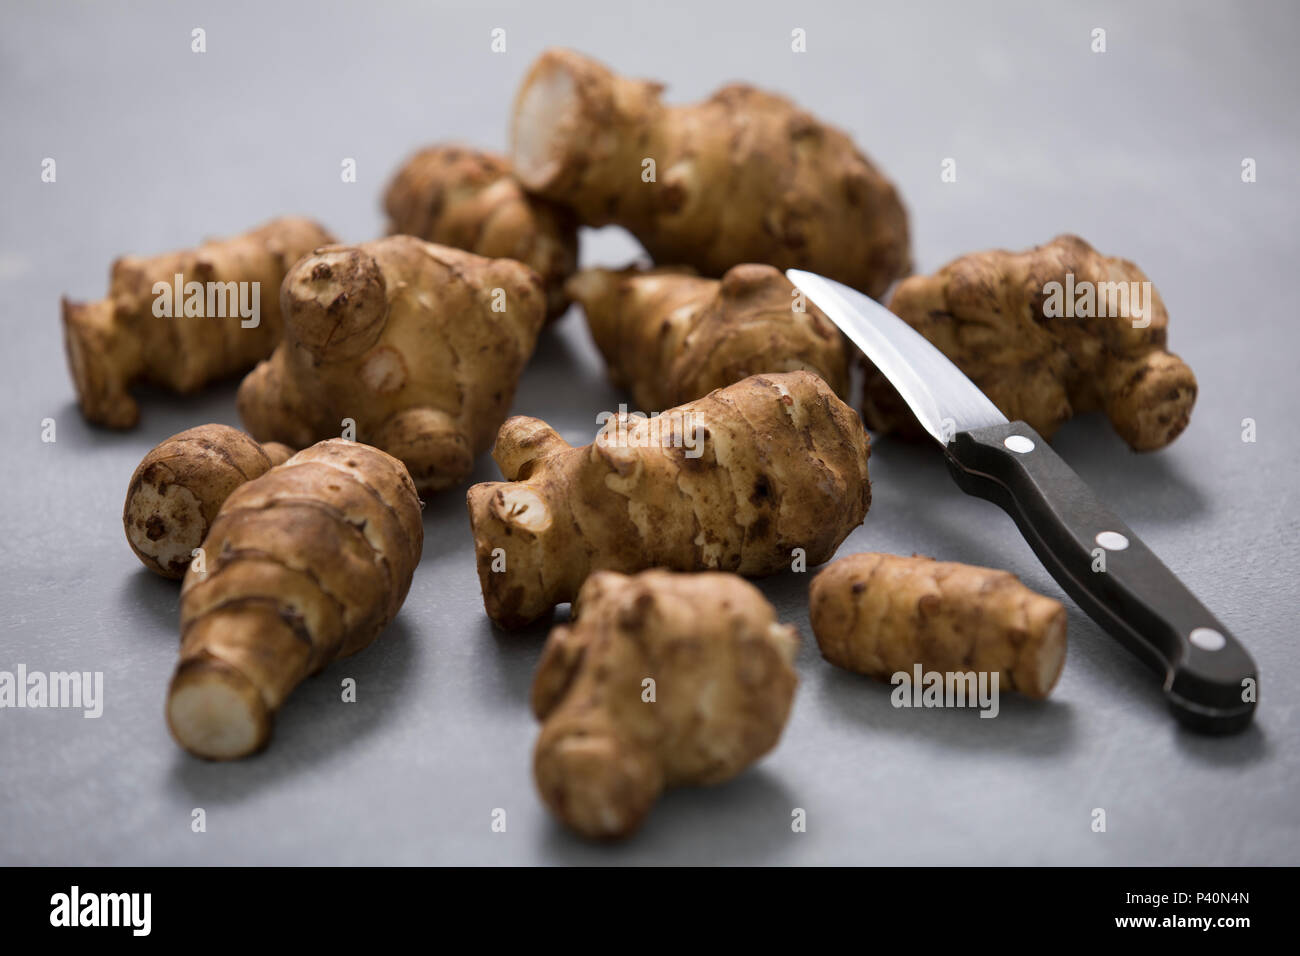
x=744 y=176
x=183 y=319
x=181 y=484
x=304 y=565
x=419 y=346
x=670 y=337
x=470 y=199
x=752 y=478
x=1042 y=353
x=881 y=614
x=663 y=680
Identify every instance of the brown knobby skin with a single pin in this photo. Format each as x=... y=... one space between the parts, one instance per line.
x=782 y=464
x=470 y=199
x=744 y=176
x=420 y=345
x=181 y=484
x=881 y=614
x=986 y=312
x=669 y=336
x=304 y=565
x=118 y=341
x=724 y=681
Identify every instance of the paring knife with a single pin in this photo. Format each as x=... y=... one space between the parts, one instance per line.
x=1209 y=679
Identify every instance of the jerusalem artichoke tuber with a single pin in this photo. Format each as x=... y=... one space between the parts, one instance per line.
x=419 y=345
x=470 y=200
x=179 y=487
x=735 y=481
x=744 y=176
x=671 y=337
x=663 y=680
x=1011 y=322
x=305 y=564
x=881 y=614
x=138 y=334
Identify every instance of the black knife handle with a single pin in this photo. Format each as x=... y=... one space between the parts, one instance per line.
x=1209 y=678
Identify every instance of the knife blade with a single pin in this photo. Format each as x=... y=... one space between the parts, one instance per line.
x=1209 y=679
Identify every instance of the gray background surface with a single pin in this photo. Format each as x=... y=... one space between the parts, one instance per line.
x=1138 y=150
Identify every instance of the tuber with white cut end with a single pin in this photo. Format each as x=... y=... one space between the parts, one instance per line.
x=181 y=484
x=752 y=478
x=744 y=176
x=306 y=564
x=202 y=335
x=670 y=337
x=419 y=346
x=661 y=680
x=882 y=614
x=470 y=199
